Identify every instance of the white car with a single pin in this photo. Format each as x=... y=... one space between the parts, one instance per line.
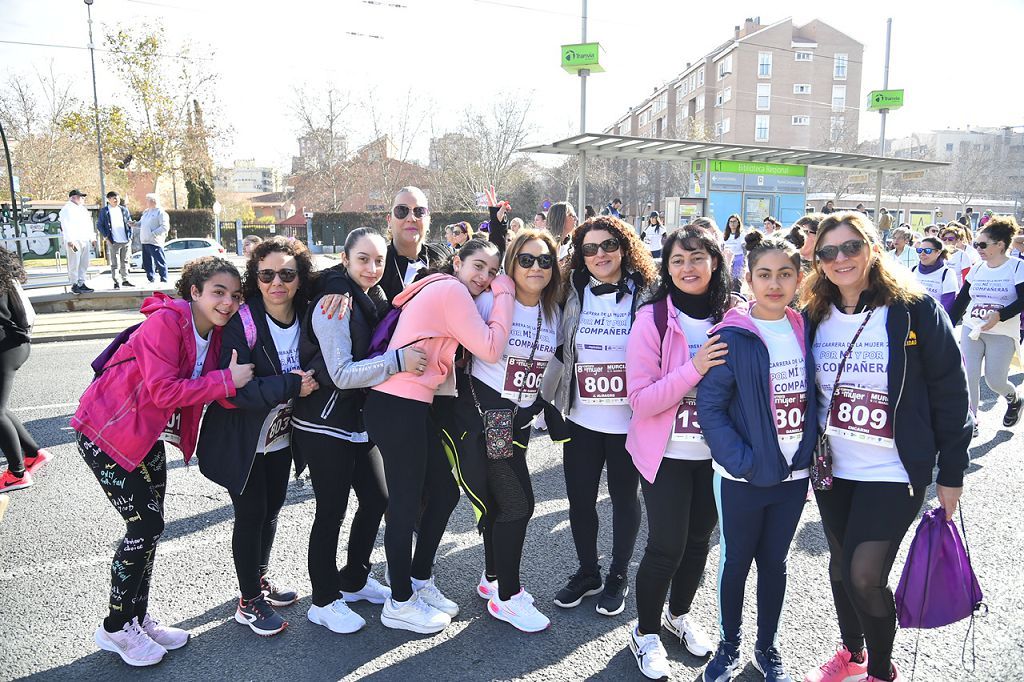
x=177 y=252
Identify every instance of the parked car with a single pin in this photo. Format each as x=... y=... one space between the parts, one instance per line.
x=177 y=252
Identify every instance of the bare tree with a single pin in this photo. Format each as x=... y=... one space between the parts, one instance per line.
x=322 y=176
x=387 y=157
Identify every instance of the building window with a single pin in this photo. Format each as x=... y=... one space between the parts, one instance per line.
x=693 y=82
x=839 y=67
x=724 y=67
x=764 y=64
x=801 y=88
x=723 y=96
x=727 y=94
x=761 y=128
x=700 y=76
x=801 y=120
x=803 y=56
x=949 y=147
x=661 y=102
x=645 y=116
x=679 y=95
x=764 y=96
x=700 y=103
x=722 y=127
x=838 y=98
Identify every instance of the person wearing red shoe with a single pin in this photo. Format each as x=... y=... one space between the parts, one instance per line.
x=16 y=317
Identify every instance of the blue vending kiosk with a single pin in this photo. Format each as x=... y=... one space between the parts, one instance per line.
x=752 y=190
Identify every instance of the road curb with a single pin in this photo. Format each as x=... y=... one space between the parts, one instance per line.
x=86 y=336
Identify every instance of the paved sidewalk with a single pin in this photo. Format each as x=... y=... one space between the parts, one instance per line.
x=82 y=325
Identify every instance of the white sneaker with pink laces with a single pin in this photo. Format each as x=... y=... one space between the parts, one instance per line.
x=167 y=637
x=131 y=643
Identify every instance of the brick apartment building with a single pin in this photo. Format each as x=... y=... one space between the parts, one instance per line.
x=779 y=85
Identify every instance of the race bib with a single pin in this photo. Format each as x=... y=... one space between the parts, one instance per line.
x=172 y=431
x=981 y=310
x=523 y=379
x=790 y=409
x=279 y=430
x=602 y=383
x=686 y=427
x=861 y=415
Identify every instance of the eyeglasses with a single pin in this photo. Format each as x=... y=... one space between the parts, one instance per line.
x=401 y=211
x=849 y=248
x=927 y=250
x=526 y=260
x=267 y=276
x=608 y=246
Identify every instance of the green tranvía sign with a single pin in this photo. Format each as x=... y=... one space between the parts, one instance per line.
x=753 y=168
x=885 y=99
x=581 y=56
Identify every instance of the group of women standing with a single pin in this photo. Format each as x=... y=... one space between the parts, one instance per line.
x=709 y=404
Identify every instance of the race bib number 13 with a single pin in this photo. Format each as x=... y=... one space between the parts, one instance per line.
x=861 y=415
x=602 y=383
x=686 y=427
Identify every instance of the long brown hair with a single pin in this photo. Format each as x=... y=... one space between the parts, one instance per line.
x=888 y=282
x=635 y=256
x=551 y=295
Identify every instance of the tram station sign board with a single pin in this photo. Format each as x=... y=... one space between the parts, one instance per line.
x=885 y=99
x=580 y=56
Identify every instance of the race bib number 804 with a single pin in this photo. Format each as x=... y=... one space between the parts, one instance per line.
x=602 y=383
x=861 y=415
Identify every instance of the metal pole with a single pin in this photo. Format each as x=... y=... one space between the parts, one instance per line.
x=884 y=112
x=583 y=121
x=14 y=197
x=96 y=102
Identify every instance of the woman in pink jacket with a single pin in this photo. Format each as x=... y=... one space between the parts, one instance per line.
x=438 y=315
x=667 y=355
x=150 y=391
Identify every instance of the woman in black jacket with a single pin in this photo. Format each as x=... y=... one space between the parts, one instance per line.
x=244 y=444
x=329 y=435
x=892 y=399
x=16 y=317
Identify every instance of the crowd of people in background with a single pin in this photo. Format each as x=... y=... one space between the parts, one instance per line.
x=713 y=372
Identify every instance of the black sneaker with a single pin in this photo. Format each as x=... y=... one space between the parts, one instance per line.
x=276 y=594
x=126 y=283
x=75 y=289
x=1012 y=415
x=769 y=662
x=613 y=599
x=116 y=285
x=580 y=585
x=260 y=617
x=85 y=288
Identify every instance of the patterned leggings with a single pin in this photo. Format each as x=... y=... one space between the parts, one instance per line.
x=138 y=496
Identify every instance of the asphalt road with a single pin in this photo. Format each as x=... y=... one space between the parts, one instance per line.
x=57 y=540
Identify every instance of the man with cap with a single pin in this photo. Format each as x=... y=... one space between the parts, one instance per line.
x=115 y=225
x=76 y=227
x=652 y=233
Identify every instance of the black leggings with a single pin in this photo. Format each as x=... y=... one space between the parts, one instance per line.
x=864 y=525
x=583 y=457
x=511 y=497
x=256 y=511
x=681 y=516
x=15 y=441
x=335 y=467
x=415 y=468
x=138 y=496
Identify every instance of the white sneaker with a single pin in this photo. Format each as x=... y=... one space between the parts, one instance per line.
x=414 y=615
x=518 y=611
x=132 y=644
x=166 y=636
x=372 y=591
x=428 y=592
x=487 y=588
x=689 y=633
x=650 y=655
x=336 y=617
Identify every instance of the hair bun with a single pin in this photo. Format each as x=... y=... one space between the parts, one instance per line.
x=753 y=239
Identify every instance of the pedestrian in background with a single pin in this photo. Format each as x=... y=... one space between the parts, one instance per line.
x=153 y=229
x=653 y=234
x=250 y=243
x=76 y=227
x=114 y=225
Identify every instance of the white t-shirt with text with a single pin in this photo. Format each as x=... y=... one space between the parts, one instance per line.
x=687 y=440
x=599 y=401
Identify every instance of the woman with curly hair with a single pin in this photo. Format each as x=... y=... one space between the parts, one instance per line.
x=245 y=442
x=16 y=316
x=610 y=273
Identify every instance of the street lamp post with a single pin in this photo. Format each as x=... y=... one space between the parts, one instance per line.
x=95 y=100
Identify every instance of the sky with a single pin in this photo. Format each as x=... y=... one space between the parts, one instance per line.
x=958 y=68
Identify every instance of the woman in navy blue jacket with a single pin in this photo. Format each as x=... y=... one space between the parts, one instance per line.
x=752 y=411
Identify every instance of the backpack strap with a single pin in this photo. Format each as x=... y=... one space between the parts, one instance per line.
x=661 y=317
x=248 y=324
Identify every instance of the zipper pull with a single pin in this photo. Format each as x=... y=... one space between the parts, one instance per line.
x=910 y=489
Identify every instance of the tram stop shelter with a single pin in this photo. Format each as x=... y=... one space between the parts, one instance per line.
x=752 y=181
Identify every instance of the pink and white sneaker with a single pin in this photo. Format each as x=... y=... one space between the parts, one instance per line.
x=166 y=636
x=131 y=643
x=518 y=611
x=487 y=588
x=840 y=668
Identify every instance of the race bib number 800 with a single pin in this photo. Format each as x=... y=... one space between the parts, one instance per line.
x=861 y=415
x=602 y=383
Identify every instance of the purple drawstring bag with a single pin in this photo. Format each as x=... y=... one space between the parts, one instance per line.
x=938 y=585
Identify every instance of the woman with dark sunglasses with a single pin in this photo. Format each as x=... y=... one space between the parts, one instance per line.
x=892 y=403
x=462 y=232
x=610 y=273
x=939 y=281
x=668 y=355
x=408 y=253
x=992 y=297
x=495 y=475
x=245 y=441
x=960 y=255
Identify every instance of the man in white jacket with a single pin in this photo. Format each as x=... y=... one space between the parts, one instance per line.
x=77 y=229
x=153 y=228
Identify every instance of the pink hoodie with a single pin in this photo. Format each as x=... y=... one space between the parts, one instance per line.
x=440 y=318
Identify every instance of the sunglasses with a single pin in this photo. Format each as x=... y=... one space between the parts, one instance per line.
x=526 y=260
x=983 y=245
x=849 y=248
x=267 y=276
x=608 y=246
x=927 y=249
x=401 y=211
x=949 y=239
